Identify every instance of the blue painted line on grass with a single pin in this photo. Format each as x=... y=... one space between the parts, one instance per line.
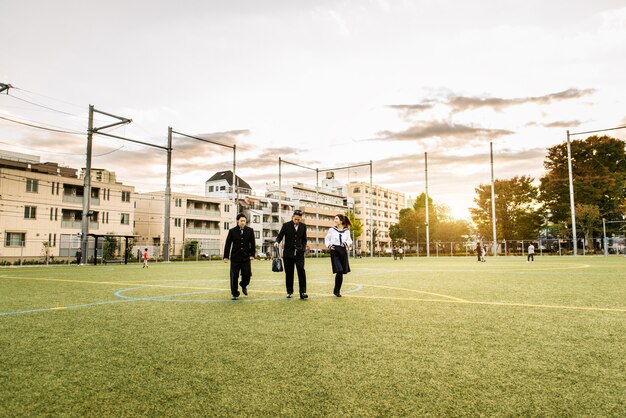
x=62 y=308
x=166 y=298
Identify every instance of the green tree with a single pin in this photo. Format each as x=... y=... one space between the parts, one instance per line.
x=356 y=229
x=191 y=248
x=110 y=246
x=599 y=177
x=518 y=213
x=589 y=220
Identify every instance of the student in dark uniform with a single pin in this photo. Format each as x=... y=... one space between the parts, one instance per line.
x=241 y=239
x=338 y=241
x=294 y=233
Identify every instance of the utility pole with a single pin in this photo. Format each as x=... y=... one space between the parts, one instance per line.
x=168 y=201
x=493 y=204
x=84 y=230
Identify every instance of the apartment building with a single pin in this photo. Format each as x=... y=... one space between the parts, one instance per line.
x=262 y=212
x=386 y=206
x=192 y=218
x=41 y=208
x=319 y=206
x=264 y=217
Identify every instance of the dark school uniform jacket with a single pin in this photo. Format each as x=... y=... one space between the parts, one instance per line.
x=294 y=240
x=242 y=244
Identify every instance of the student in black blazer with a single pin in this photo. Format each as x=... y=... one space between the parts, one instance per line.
x=241 y=239
x=294 y=233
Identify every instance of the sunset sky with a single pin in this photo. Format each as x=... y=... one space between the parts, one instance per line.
x=320 y=83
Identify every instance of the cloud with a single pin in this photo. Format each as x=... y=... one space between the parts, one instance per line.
x=559 y=124
x=448 y=133
x=463 y=103
x=459 y=104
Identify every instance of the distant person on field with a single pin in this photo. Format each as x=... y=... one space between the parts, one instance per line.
x=145 y=258
x=240 y=249
x=401 y=253
x=479 y=252
x=294 y=233
x=395 y=252
x=531 y=253
x=79 y=256
x=338 y=241
x=139 y=255
x=483 y=254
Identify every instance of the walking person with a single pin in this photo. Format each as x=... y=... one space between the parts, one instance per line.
x=338 y=241
x=79 y=256
x=240 y=249
x=145 y=258
x=401 y=253
x=479 y=251
x=294 y=233
x=531 y=253
x=483 y=254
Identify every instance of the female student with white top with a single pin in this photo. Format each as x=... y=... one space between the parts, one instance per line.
x=337 y=241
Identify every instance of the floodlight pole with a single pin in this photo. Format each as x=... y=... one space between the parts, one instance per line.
x=493 y=204
x=604 y=237
x=571 y=194
x=427 y=223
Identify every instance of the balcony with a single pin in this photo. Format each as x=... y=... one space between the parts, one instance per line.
x=203 y=231
x=203 y=212
x=79 y=225
x=79 y=199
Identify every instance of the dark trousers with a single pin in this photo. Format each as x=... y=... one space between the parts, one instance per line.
x=298 y=263
x=531 y=257
x=246 y=271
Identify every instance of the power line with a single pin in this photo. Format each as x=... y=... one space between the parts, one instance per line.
x=42 y=127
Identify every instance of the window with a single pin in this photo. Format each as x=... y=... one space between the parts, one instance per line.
x=125 y=196
x=177 y=222
x=226 y=208
x=222 y=187
x=226 y=226
x=32 y=185
x=257 y=235
x=210 y=189
x=356 y=190
x=30 y=212
x=15 y=239
x=125 y=219
x=256 y=219
x=178 y=203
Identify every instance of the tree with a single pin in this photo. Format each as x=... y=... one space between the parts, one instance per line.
x=518 y=213
x=589 y=220
x=599 y=178
x=109 y=247
x=191 y=248
x=356 y=229
x=441 y=225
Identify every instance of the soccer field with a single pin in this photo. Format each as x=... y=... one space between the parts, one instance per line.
x=438 y=336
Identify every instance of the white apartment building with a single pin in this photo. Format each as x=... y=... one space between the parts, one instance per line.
x=319 y=207
x=41 y=208
x=192 y=218
x=261 y=212
x=386 y=206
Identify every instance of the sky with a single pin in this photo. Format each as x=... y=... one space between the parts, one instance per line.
x=322 y=84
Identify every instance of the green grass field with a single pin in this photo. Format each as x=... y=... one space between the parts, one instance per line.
x=439 y=337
